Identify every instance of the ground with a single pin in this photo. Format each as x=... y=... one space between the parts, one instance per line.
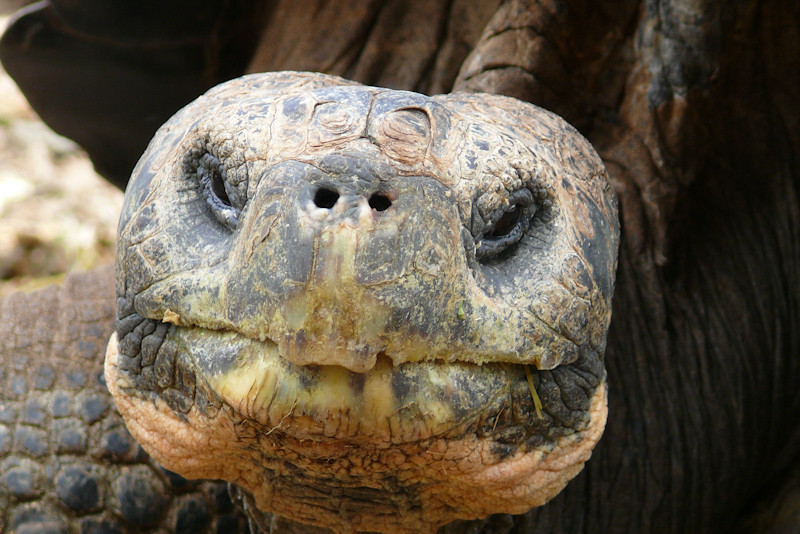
x=56 y=214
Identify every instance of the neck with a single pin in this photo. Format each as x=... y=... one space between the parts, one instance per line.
x=702 y=366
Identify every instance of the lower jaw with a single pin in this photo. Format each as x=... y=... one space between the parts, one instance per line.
x=418 y=488
x=377 y=464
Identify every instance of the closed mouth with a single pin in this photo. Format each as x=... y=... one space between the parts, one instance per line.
x=389 y=403
x=318 y=443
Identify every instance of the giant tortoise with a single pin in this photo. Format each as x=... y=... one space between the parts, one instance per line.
x=333 y=398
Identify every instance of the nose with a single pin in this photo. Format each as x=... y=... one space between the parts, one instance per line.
x=342 y=254
x=348 y=185
x=326 y=197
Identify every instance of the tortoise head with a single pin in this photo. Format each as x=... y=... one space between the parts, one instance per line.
x=370 y=309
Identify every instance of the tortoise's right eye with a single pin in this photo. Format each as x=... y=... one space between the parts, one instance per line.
x=211 y=176
x=218 y=188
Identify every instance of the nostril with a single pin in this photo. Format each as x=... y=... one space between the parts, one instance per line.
x=325 y=198
x=379 y=202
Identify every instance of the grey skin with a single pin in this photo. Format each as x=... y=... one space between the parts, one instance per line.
x=309 y=268
x=67 y=462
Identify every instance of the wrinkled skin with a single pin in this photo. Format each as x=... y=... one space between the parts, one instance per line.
x=311 y=269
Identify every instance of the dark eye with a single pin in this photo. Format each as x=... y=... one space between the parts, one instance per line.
x=218 y=188
x=211 y=176
x=506 y=226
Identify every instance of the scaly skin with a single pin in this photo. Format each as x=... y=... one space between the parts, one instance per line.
x=329 y=295
x=67 y=462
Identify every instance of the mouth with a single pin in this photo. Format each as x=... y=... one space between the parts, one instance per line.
x=515 y=405
x=423 y=442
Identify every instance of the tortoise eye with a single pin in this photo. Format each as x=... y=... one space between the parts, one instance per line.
x=506 y=226
x=211 y=176
x=507 y=223
x=218 y=187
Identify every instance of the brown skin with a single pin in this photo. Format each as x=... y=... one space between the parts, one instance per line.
x=694 y=117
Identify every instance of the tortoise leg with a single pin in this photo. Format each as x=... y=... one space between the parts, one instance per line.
x=67 y=462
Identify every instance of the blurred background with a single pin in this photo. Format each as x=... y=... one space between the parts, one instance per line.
x=56 y=214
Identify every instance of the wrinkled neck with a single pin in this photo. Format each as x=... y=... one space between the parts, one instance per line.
x=702 y=367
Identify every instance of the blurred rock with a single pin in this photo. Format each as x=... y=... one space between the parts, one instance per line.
x=56 y=213
x=9 y=6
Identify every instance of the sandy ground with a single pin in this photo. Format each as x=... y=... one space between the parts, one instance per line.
x=56 y=214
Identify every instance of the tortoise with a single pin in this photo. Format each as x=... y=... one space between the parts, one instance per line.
x=693 y=120
x=327 y=290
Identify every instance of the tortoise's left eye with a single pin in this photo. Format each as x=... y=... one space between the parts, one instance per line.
x=506 y=226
